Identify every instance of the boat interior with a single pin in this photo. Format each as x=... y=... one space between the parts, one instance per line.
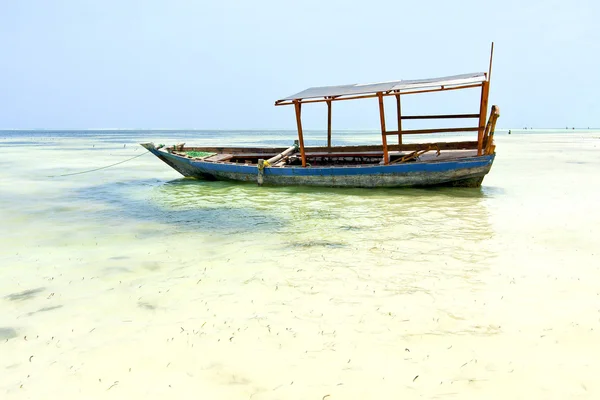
x=330 y=156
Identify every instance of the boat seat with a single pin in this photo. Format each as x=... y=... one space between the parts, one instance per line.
x=219 y=157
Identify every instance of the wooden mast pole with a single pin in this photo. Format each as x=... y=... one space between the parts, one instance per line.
x=329 y=124
x=399 y=112
x=298 y=108
x=491 y=59
x=485 y=92
x=386 y=159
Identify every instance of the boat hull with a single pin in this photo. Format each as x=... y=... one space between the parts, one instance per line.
x=466 y=172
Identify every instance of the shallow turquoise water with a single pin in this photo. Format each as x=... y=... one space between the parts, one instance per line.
x=166 y=285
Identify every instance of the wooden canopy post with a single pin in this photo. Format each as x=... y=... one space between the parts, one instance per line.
x=482 y=114
x=386 y=158
x=399 y=112
x=329 y=123
x=298 y=108
x=485 y=92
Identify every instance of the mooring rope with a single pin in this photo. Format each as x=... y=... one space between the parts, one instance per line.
x=98 y=169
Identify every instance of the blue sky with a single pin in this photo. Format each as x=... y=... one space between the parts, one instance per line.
x=74 y=64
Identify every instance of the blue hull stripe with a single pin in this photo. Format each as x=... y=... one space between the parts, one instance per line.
x=442 y=166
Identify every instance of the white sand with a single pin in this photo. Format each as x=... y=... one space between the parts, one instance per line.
x=162 y=291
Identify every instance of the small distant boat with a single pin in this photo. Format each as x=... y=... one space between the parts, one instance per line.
x=450 y=163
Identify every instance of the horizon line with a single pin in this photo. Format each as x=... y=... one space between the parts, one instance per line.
x=252 y=129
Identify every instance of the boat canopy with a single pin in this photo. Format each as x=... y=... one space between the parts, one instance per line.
x=333 y=92
x=329 y=94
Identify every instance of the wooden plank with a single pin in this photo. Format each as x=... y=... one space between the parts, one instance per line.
x=471 y=144
x=240 y=156
x=298 y=108
x=386 y=158
x=466 y=145
x=483 y=140
x=436 y=130
x=370 y=96
x=399 y=113
x=237 y=150
x=329 y=123
x=260 y=178
x=488 y=144
x=482 y=114
x=447 y=116
x=219 y=157
x=281 y=156
x=355 y=149
x=446 y=153
x=266 y=152
x=347 y=154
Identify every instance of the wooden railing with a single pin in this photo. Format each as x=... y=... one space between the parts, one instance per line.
x=437 y=130
x=399 y=133
x=447 y=116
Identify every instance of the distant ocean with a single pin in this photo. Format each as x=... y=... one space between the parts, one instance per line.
x=132 y=282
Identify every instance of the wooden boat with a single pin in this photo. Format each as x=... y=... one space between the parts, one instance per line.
x=400 y=164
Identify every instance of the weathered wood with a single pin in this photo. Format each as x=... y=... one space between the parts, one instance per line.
x=283 y=155
x=435 y=130
x=448 y=153
x=460 y=168
x=415 y=155
x=237 y=150
x=370 y=96
x=495 y=114
x=489 y=143
x=260 y=177
x=386 y=159
x=471 y=144
x=329 y=123
x=466 y=145
x=219 y=157
x=485 y=142
x=337 y=154
x=298 y=108
x=447 y=116
x=263 y=152
x=399 y=114
x=482 y=114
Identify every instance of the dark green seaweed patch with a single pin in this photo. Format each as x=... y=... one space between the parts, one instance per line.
x=25 y=295
x=146 y=306
x=44 y=309
x=7 y=333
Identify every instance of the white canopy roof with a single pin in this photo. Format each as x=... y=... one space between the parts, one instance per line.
x=368 y=88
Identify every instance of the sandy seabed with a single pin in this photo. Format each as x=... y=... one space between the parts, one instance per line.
x=131 y=283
